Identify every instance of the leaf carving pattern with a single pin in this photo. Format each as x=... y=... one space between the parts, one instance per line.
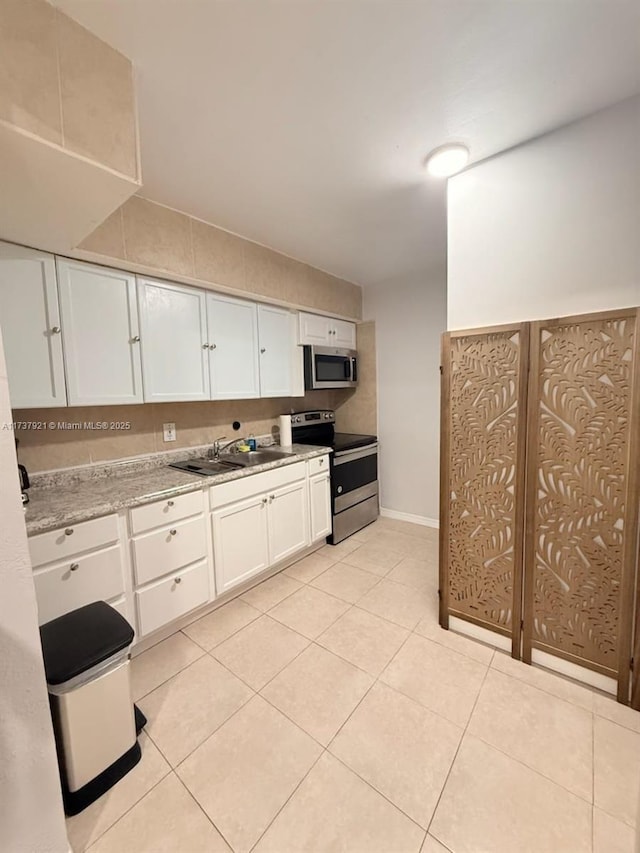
x=483 y=393
x=584 y=398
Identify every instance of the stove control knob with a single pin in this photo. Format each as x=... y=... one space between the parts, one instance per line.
x=339 y=490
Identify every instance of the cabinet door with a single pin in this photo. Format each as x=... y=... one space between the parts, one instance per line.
x=100 y=333
x=30 y=321
x=175 y=361
x=320 y=506
x=314 y=329
x=233 y=348
x=276 y=351
x=343 y=334
x=240 y=544
x=288 y=520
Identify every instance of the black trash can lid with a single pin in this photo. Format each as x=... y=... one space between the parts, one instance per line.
x=77 y=641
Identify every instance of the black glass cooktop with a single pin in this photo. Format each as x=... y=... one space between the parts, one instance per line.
x=349 y=440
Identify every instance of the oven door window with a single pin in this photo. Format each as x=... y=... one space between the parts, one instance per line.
x=349 y=476
x=332 y=368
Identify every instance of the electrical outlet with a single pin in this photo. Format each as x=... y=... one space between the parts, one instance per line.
x=169 y=432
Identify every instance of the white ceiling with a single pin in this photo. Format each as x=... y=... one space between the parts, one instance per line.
x=303 y=124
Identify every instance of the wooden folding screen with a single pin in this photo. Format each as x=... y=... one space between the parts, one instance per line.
x=577 y=422
x=483 y=415
x=582 y=491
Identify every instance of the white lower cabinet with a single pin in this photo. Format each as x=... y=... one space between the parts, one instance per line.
x=252 y=532
x=320 y=505
x=76 y=565
x=161 y=602
x=162 y=562
x=240 y=541
x=288 y=521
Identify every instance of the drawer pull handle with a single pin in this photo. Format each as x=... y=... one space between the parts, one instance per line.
x=68 y=531
x=169 y=503
x=263 y=350
x=74 y=567
x=173 y=531
x=264 y=500
x=55 y=330
x=178 y=580
x=135 y=339
x=271 y=498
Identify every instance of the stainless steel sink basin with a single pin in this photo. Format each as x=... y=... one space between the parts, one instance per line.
x=205 y=467
x=209 y=467
x=258 y=457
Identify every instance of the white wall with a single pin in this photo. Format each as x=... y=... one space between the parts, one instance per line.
x=550 y=228
x=31 y=817
x=410 y=315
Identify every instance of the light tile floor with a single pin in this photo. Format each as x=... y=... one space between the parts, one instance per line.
x=325 y=711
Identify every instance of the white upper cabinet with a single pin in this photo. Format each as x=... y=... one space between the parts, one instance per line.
x=100 y=333
x=276 y=351
x=175 y=350
x=344 y=334
x=233 y=348
x=326 y=331
x=30 y=321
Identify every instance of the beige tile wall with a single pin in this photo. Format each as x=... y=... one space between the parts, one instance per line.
x=148 y=237
x=196 y=424
x=62 y=83
x=359 y=411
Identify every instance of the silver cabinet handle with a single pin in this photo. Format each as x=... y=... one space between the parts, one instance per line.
x=173 y=531
x=169 y=503
x=205 y=346
x=178 y=580
x=135 y=339
x=264 y=500
x=212 y=346
x=263 y=350
x=74 y=567
x=55 y=330
x=68 y=531
x=271 y=498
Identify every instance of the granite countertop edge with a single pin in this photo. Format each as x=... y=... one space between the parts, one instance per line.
x=50 y=508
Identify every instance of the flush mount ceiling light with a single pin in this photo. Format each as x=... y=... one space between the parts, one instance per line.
x=447 y=160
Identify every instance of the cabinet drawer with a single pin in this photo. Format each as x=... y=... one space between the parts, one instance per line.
x=65 y=586
x=74 y=539
x=165 y=512
x=318 y=465
x=158 y=553
x=172 y=597
x=254 y=484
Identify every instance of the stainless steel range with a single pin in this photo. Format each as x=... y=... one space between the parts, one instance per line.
x=354 y=470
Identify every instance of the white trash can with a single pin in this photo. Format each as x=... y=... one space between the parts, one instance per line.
x=86 y=659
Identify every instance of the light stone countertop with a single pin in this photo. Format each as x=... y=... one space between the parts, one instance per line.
x=70 y=499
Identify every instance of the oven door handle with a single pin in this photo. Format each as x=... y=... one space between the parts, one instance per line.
x=344 y=456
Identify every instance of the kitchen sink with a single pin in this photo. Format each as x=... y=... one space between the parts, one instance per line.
x=206 y=467
x=259 y=457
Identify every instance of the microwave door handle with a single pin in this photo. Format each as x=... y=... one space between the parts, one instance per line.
x=354 y=369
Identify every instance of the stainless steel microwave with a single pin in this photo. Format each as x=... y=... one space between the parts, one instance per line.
x=328 y=367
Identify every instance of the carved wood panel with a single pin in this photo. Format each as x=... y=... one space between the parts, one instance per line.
x=579 y=492
x=483 y=421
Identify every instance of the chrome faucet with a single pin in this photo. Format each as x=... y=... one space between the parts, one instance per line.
x=216 y=450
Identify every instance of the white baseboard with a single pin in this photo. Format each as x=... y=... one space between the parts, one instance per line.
x=476 y=632
x=407 y=516
x=574 y=671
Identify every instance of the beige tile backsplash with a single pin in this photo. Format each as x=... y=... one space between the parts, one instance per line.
x=359 y=411
x=29 y=95
x=62 y=83
x=97 y=100
x=156 y=239
x=157 y=236
x=196 y=424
